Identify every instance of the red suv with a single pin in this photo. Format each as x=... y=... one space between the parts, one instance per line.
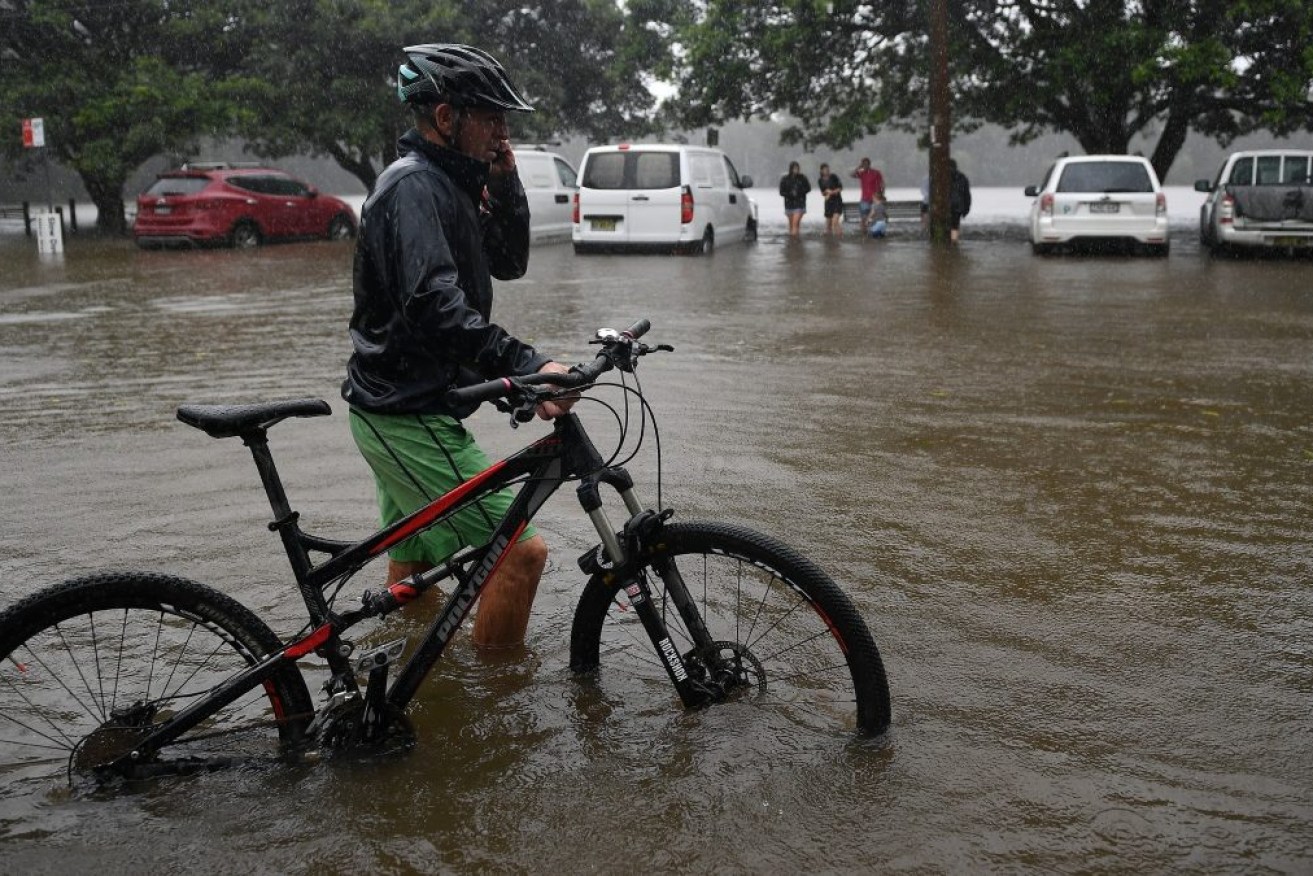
x=239 y=206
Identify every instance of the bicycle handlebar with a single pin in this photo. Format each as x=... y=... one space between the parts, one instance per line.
x=578 y=375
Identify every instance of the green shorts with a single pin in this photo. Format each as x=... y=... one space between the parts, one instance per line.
x=415 y=459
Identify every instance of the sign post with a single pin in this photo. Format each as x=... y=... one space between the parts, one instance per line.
x=50 y=230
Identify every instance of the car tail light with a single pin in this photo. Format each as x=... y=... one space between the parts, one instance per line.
x=575 y=216
x=1226 y=209
x=1161 y=208
x=686 y=206
x=1046 y=204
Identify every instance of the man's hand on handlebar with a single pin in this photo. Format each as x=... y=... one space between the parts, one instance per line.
x=549 y=410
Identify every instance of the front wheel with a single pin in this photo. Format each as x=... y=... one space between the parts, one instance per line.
x=91 y=666
x=787 y=638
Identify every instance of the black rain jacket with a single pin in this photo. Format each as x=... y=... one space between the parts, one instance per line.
x=428 y=247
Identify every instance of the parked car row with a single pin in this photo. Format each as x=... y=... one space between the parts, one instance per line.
x=1258 y=200
x=682 y=198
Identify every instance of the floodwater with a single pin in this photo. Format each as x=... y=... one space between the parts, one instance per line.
x=1071 y=495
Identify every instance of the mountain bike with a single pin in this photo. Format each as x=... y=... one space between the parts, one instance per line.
x=123 y=676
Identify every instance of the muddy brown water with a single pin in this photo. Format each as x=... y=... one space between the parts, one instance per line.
x=1071 y=496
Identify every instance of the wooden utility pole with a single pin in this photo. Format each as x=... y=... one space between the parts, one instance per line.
x=941 y=124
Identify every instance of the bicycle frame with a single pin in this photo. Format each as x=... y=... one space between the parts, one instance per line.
x=543 y=466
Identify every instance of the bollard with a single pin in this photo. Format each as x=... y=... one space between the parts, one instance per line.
x=73 y=215
x=27 y=219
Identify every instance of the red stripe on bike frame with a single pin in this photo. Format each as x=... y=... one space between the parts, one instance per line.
x=309 y=643
x=439 y=506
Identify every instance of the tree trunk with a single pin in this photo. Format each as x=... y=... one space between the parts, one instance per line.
x=107 y=195
x=1172 y=139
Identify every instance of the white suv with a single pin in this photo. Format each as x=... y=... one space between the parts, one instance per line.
x=661 y=198
x=1099 y=198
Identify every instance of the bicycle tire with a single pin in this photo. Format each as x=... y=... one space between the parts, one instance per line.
x=87 y=666
x=808 y=652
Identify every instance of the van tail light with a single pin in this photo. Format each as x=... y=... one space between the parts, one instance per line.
x=1226 y=210
x=1161 y=204
x=574 y=217
x=1046 y=204
x=686 y=206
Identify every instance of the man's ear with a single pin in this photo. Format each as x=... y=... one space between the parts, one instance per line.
x=444 y=120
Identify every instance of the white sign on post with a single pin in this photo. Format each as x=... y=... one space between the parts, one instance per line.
x=49 y=233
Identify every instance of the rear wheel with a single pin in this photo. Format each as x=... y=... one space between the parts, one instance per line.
x=750 y=235
x=90 y=666
x=341 y=228
x=785 y=636
x=244 y=236
x=707 y=244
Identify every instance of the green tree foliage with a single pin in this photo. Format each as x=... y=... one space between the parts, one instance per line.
x=330 y=68
x=120 y=81
x=117 y=82
x=1101 y=70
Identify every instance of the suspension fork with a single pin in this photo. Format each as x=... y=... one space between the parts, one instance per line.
x=621 y=555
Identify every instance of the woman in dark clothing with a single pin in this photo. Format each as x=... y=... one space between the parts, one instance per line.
x=832 y=189
x=793 y=189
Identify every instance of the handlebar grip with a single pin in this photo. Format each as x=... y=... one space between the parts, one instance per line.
x=638 y=329
x=478 y=392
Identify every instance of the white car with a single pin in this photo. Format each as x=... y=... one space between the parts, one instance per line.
x=661 y=198
x=550 y=183
x=1109 y=198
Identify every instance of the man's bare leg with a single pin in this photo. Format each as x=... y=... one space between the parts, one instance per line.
x=503 y=615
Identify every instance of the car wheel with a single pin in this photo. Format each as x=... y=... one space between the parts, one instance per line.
x=707 y=244
x=1040 y=249
x=244 y=236
x=1160 y=250
x=341 y=228
x=751 y=234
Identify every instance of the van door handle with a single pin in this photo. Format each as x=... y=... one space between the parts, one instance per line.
x=733 y=199
x=562 y=199
x=640 y=198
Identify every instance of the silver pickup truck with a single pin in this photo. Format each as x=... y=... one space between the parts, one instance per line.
x=1261 y=198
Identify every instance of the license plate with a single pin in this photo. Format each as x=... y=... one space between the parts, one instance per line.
x=1105 y=207
x=604 y=223
x=163 y=210
x=1292 y=241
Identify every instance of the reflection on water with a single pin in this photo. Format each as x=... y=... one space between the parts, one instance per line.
x=1070 y=494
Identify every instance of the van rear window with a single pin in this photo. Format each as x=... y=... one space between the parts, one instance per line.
x=632 y=170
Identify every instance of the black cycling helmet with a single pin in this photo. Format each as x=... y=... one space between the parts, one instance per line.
x=462 y=76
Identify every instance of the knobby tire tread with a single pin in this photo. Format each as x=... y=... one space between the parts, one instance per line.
x=870 y=684
x=152 y=591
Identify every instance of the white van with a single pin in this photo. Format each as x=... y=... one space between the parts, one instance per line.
x=550 y=182
x=662 y=198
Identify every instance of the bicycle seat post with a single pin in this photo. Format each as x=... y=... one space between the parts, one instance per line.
x=284 y=522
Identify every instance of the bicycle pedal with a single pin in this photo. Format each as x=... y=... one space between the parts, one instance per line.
x=376 y=658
